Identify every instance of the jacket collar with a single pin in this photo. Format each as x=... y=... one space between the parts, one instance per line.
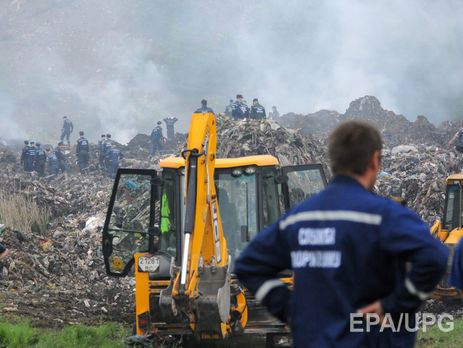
x=345 y=179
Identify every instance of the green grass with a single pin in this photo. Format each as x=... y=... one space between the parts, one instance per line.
x=435 y=338
x=23 y=335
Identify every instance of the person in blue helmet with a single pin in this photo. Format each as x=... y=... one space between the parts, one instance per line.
x=352 y=254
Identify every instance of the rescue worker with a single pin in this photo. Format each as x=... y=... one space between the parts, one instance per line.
x=67 y=129
x=24 y=155
x=101 y=150
x=113 y=155
x=229 y=109
x=204 y=108
x=156 y=139
x=53 y=165
x=458 y=140
x=170 y=121
x=82 y=153
x=40 y=160
x=238 y=108
x=30 y=157
x=456 y=273
x=61 y=157
x=352 y=252
x=257 y=110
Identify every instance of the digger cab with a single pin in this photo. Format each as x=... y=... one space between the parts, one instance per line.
x=450 y=230
x=144 y=230
x=146 y=209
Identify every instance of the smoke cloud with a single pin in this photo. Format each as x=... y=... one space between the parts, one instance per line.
x=119 y=66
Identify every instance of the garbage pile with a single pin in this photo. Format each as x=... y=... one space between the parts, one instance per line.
x=253 y=137
x=396 y=129
x=417 y=174
x=6 y=155
x=59 y=273
x=139 y=147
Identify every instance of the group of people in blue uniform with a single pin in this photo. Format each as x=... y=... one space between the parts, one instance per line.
x=34 y=158
x=352 y=254
x=239 y=109
x=108 y=155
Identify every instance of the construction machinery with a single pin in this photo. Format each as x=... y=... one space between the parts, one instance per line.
x=181 y=228
x=449 y=230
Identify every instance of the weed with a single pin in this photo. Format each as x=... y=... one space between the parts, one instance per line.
x=22 y=213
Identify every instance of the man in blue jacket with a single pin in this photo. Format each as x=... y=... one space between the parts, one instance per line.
x=60 y=156
x=352 y=253
x=30 y=157
x=156 y=139
x=238 y=108
x=24 y=155
x=67 y=129
x=204 y=108
x=82 y=153
x=40 y=160
x=114 y=155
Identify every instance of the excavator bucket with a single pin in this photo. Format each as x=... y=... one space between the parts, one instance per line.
x=213 y=306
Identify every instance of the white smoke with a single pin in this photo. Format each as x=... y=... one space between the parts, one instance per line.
x=119 y=66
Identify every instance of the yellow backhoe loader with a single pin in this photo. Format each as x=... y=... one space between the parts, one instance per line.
x=180 y=230
x=449 y=230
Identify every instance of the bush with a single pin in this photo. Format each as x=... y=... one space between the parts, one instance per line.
x=21 y=213
x=19 y=335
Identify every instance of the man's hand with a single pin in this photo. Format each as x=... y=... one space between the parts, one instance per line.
x=375 y=308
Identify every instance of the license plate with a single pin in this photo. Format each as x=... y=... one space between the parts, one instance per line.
x=148 y=264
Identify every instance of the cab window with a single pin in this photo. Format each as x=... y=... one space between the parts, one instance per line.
x=452 y=218
x=129 y=220
x=238 y=209
x=168 y=228
x=270 y=199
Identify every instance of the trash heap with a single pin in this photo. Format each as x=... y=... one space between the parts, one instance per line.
x=417 y=174
x=253 y=137
x=6 y=155
x=396 y=129
x=59 y=273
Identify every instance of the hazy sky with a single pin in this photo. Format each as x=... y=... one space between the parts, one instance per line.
x=119 y=66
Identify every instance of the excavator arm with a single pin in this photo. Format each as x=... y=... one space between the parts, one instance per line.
x=200 y=289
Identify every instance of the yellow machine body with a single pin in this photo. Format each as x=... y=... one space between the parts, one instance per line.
x=449 y=230
x=168 y=228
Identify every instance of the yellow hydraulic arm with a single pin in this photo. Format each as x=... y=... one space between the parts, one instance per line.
x=200 y=289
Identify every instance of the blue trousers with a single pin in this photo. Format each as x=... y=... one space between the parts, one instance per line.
x=157 y=146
